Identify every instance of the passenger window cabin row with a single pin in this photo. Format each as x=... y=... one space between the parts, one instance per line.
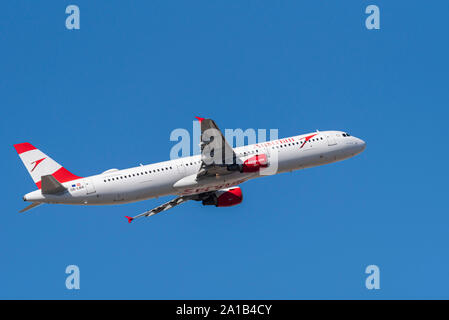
x=289 y=144
x=126 y=176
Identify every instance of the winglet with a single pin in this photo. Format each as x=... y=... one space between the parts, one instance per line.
x=129 y=219
x=199 y=119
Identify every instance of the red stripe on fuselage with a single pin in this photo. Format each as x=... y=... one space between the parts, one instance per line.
x=62 y=175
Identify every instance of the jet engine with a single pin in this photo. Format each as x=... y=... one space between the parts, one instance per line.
x=224 y=197
x=255 y=163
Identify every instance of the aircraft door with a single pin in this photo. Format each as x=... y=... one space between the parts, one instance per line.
x=181 y=167
x=331 y=140
x=90 y=188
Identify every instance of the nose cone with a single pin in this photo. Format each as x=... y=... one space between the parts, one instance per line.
x=361 y=145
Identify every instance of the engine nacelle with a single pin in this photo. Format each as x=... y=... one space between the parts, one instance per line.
x=225 y=197
x=255 y=163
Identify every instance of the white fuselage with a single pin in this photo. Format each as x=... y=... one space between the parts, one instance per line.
x=177 y=177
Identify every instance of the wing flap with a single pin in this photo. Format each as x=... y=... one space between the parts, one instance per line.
x=163 y=207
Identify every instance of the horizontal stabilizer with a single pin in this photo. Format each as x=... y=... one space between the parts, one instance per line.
x=51 y=186
x=31 y=206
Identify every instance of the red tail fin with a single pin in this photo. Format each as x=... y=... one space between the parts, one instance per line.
x=39 y=164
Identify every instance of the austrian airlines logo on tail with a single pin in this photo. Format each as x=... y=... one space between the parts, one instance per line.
x=36 y=163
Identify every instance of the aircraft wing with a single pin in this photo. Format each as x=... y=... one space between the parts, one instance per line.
x=217 y=156
x=168 y=205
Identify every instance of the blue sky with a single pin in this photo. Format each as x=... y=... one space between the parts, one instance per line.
x=109 y=95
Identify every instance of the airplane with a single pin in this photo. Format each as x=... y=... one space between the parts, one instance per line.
x=212 y=177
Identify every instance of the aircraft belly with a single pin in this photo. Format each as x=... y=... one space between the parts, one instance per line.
x=214 y=183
